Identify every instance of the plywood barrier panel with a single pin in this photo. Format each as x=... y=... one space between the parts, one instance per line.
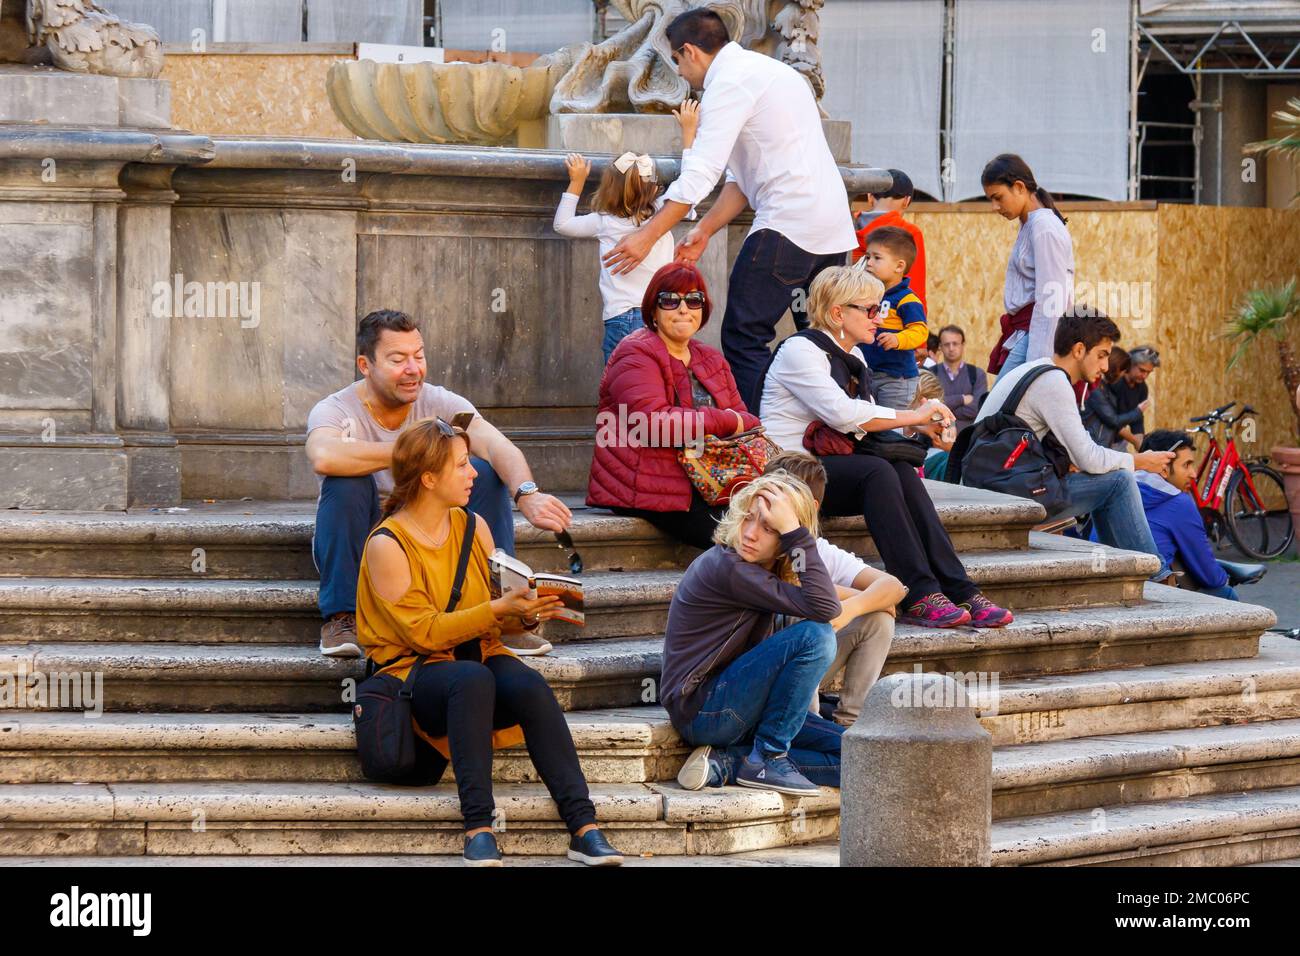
x=1168 y=276
x=253 y=95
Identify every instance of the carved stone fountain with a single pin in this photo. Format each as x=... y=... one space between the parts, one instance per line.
x=584 y=96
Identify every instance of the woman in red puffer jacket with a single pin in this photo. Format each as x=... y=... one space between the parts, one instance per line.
x=660 y=392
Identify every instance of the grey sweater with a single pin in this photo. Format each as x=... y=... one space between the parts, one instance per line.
x=724 y=606
x=1049 y=405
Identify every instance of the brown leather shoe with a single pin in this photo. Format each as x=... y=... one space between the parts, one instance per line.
x=338 y=636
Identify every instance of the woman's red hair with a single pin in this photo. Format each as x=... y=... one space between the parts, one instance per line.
x=678 y=277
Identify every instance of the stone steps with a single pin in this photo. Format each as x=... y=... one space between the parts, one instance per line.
x=1135 y=710
x=1220 y=829
x=1137 y=699
x=1055 y=572
x=632 y=745
x=272 y=539
x=822 y=853
x=348 y=818
x=1170 y=626
x=1094 y=799
x=629 y=745
x=263 y=540
x=1101 y=773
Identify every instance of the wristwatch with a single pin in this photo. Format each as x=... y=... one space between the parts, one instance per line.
x=527 y=488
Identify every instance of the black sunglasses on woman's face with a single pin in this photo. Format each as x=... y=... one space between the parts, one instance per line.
x=668 y=301
x=871 y=310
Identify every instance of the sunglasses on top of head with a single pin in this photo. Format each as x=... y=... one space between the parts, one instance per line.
x=668 y=301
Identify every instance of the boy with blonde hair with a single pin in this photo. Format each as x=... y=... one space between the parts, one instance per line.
x=733 y=687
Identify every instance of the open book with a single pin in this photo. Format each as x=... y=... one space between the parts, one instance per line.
x=508 y=572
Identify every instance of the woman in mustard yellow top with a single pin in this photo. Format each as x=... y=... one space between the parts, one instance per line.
x=472 y=693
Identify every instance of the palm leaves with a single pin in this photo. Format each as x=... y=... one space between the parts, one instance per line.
x=1268 y=310
x=1288 y=144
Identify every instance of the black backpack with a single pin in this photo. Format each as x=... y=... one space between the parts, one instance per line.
x=1001 y=453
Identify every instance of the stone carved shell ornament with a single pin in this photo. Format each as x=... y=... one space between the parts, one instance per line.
x=79 y=36
x=631 y=72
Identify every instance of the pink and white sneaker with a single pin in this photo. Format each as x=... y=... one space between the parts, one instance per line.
x=935 y=610
x=984 y=613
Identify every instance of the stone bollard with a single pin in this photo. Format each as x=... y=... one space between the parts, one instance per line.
x=917 y=777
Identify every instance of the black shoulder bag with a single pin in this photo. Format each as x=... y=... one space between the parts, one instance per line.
x=387 y=744
x=1001 y=453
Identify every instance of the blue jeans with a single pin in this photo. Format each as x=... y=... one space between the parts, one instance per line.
x=1017 y=356
x=1115 y=504
x=618 y=328
x=348 y=511
x=768 y=273
x=761 y=698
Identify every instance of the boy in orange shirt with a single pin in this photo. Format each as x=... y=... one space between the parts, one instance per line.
x=891 y=206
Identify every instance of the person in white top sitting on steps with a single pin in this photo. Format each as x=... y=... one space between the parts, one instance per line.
x=760 y=122
x=1101 y=482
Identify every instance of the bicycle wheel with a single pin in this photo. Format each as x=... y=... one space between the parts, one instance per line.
x=1260 y=528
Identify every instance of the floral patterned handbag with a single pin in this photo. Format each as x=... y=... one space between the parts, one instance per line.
x=725 y=465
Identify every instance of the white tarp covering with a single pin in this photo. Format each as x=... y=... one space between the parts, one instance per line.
x=175 y=20
x=279 y=21
x=1048 y=81
x=371 y=21
x=883 y=62
x=524 y=26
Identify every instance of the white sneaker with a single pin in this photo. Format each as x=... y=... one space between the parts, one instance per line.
x=695 y=772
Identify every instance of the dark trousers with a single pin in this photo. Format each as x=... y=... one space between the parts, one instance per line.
x=465 y=701
x=771 y=274
x=348 y=511
x=693 y=526
x=898 y=511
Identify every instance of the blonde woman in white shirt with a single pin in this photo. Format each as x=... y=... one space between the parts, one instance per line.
x=628 y=195
x=815 y=377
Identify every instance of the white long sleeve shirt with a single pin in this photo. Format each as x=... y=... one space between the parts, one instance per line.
x=799 y=390
x=1040 y=270
x=1049 y=406
x=759 y=121
x=618 y=293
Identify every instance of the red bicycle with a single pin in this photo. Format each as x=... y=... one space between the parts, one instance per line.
x=1244 y=496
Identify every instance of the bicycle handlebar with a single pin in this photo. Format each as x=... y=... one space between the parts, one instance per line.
x=1216 y=414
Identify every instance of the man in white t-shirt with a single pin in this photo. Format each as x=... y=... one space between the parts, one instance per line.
x=350 y=438
x=759 y=121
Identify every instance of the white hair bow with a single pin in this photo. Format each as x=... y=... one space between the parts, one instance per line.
x=645 y=166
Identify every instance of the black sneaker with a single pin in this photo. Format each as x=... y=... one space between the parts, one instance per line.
x=594 y=850
x=827 y=704
x=775 y=773
x=481 y=850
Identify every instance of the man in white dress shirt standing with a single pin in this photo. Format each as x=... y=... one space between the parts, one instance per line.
x=760 y=123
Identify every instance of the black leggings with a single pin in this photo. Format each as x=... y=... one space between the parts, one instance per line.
x=693 y=527
x=903 y=523
x=465 y=701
